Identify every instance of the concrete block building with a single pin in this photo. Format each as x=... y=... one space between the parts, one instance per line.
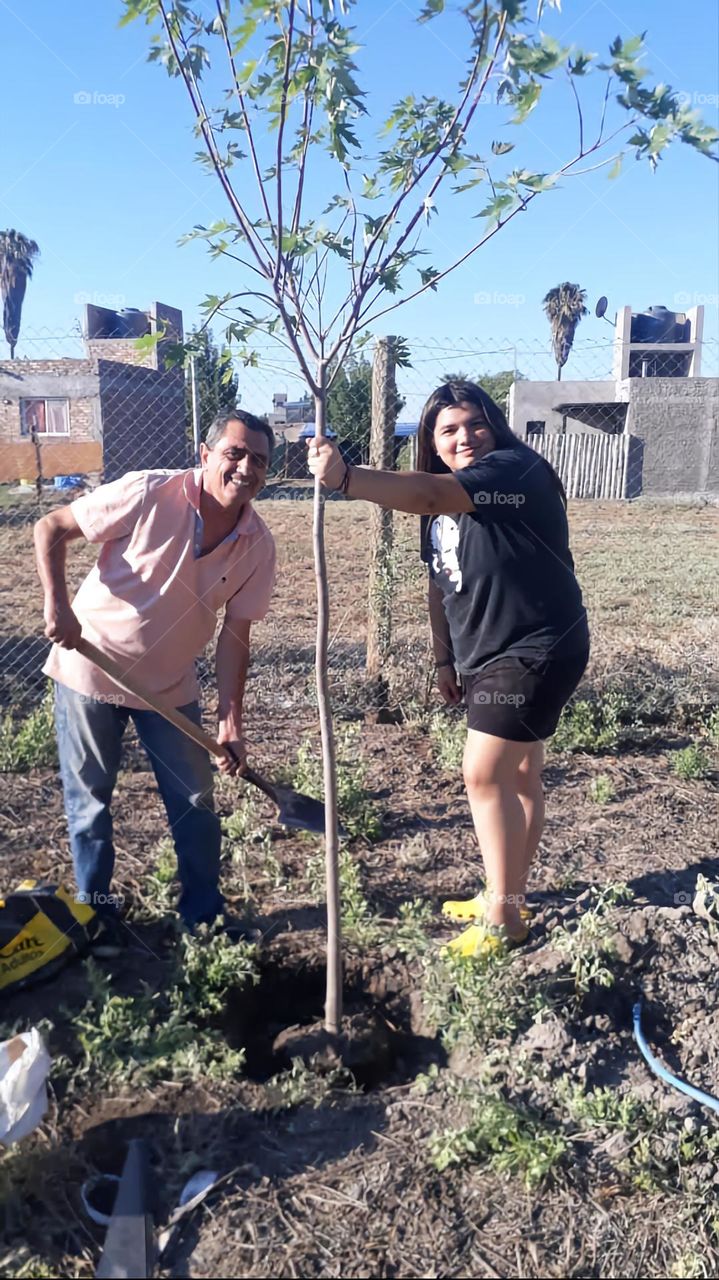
x=116 y=410
x=653 y=429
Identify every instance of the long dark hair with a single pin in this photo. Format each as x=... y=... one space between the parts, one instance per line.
x=446 y=397
x=454 y=393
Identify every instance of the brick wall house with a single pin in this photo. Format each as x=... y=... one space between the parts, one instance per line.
x=117 y=410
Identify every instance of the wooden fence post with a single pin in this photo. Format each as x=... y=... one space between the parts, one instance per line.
x=379 y=621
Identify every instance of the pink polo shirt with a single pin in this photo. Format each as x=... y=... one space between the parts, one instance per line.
x=150 y=602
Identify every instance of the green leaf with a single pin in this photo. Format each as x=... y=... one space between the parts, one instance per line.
x=497 y=208
x=427 y=275
x=579 y=65
x=616 y=168
x=525 y=100
x=430 y=10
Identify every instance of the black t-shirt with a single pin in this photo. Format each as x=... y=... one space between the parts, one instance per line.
x=505 y=569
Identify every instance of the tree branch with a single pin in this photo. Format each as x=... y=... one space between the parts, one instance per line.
x=579 y=109
x=200 y=110
x=280 y=137
x=525 y=201
x=243 y=109
x=604 y=110
x=361 y=290
x=439 y=151
x=307 y=130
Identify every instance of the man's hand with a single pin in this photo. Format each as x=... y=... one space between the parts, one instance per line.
x=449 y=685
x=229 y=736
x=325 y=460
x=62 y=626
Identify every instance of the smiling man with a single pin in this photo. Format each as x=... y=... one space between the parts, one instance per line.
x=177 y=547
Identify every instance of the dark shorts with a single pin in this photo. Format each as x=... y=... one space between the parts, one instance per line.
x=521 y=699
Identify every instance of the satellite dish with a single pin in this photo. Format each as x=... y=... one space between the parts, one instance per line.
x=601 y=308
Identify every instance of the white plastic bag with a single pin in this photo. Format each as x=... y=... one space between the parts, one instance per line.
x=24 y=1067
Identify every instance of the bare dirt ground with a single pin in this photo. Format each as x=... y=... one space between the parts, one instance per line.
x=509 y=1127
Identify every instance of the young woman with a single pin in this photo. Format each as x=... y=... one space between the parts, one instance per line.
x=509 y=628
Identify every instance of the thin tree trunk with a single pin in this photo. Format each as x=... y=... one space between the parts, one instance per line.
x=379 y=622
x=333 y=1003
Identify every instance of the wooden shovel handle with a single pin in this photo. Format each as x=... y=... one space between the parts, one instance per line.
x=130 y=684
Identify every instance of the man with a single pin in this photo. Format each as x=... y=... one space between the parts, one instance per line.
x=176 y=548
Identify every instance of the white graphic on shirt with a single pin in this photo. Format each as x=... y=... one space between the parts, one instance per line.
x=444 y=536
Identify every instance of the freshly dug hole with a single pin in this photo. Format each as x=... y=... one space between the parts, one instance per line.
x=283 y=1018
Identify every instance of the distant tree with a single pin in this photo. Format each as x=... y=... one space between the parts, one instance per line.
x=495 y=384
x=349 y=402
x=564 y=308
x=17 y=256
x=217 y=382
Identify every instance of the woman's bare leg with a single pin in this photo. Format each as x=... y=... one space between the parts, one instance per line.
x=491 y=775
x=531 y=798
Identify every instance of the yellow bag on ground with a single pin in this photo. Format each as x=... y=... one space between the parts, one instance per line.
x=41 y=927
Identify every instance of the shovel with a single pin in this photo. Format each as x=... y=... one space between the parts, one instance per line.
x=295 y=810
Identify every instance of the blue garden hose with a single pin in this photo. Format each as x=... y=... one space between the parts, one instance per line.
x=697 y=1094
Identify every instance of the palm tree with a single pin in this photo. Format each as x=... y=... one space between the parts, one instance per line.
x=564 y=308
x=17 y=255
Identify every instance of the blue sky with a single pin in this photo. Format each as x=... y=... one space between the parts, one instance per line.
x=108 y=186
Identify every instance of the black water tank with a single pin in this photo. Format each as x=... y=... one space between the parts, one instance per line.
x=132 y=323
x=657 y=324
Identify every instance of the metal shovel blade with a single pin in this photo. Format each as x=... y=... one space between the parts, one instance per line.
x=298 y=811
x=295 y=810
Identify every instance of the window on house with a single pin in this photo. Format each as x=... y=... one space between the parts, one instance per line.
x=44 y=417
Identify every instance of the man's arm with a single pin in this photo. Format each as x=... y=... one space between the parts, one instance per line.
x=232 y=661
x=52 y=534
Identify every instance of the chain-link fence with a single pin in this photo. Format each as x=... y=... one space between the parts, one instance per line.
x=621 y=423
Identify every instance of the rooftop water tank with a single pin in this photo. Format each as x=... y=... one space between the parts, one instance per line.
x=132 y=323
x=657 y=324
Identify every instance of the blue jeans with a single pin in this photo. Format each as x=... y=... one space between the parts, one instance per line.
x=89 y=735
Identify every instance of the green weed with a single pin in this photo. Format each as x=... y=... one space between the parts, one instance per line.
x=711 y=726
x=158 y=891
x=410 y=933
x=208 y=966
x=360 y=924
x=29 y=743
x=162 y=1034
x=504 y=1137
x=589 y=946
x=448 y=736
x=593 y=727
x=603 y=1108
x=300 y=1084
x=602 y=789
x=357 y=814
x=690 y=763
x=473 y=1000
